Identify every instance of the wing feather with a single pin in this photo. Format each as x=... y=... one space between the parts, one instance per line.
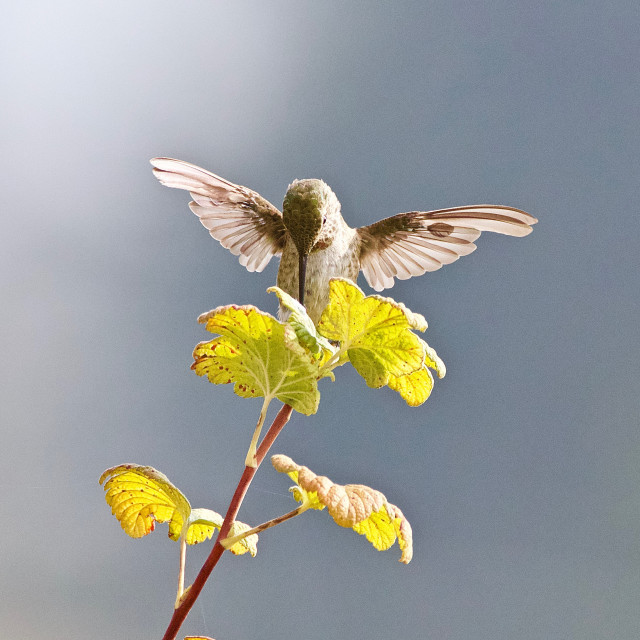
x=402 y=265
x=239 y=218
x=409 y=244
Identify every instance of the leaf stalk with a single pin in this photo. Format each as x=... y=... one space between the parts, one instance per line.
x=250 y=460
x=227 y=543
x=183 y=559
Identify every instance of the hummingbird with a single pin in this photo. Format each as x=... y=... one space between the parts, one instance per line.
x=314 y=242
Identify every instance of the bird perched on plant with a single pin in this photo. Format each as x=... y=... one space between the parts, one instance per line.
x=313 y=240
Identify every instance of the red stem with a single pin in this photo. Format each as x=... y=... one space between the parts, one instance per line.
x=192 y=594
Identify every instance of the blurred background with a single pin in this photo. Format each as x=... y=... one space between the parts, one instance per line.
x=520 y=474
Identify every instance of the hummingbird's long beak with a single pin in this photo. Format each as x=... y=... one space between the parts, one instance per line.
x=302 y=275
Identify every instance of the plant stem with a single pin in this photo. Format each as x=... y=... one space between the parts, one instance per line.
x=180 y=613
x=227 y=543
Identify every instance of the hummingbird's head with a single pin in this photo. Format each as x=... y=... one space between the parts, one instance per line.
x=310 y=211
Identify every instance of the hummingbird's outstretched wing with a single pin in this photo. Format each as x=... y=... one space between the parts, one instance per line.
x=409 y=244
x=239 y=218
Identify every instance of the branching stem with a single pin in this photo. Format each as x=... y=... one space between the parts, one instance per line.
x=185 y=600
x=190 y=596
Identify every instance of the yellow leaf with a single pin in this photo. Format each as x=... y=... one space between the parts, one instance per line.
x=248 y=544
x=140 y=496
x=254 y=352
x=203 y=524
x=354 y=506
x=200 y=531
x=375 y=332
x=414 y=388
x=378 y=529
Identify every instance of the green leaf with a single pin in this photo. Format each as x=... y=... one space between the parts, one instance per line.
x=303 y=326
x=256 y=353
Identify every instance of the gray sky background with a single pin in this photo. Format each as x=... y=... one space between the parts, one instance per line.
x=520 y=475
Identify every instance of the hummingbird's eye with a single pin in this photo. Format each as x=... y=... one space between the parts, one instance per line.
x=324 y=219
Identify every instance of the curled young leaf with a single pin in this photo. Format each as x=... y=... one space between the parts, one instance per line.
x=303 y=326
x=258 y=356
x=353 y=506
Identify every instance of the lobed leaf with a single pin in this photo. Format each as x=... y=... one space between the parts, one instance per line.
x=354 y=506
x=256 y=353
x=375 y=332
x=377 y=335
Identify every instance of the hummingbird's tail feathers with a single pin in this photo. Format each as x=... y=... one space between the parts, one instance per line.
x=239 y=218
x=410 y=244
